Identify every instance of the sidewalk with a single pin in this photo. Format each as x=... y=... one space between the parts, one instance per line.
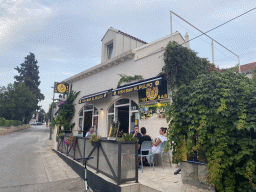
x=161 y=179
x=55 y=167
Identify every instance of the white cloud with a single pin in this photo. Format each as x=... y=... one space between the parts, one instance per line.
x=227 y=13
x=17 y=15
x=7 y=76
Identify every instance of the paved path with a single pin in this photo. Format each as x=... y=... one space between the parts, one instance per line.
x=27 y=163
x=160 y=179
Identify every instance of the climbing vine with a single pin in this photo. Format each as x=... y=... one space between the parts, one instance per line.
x=182 y=65
x=126 y=78
x=217 y=113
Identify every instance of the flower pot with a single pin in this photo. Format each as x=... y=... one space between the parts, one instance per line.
x=96 y=144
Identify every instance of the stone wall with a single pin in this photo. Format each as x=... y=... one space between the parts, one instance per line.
x=6 y=130
x=194 y=176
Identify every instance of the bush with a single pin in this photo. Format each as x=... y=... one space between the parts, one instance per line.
x=2 y=121
x=216 y=113
x=8 y=123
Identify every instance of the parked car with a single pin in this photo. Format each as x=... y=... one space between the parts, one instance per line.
x=39 y=123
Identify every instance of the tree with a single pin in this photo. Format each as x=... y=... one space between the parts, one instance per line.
x=17 y=102
x=29 y=74
x=66 y=111
x=216 y=114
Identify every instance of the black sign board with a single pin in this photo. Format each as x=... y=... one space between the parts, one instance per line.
x=154 y=93
x=136 y=87
x=92 y=98
x=61 y=87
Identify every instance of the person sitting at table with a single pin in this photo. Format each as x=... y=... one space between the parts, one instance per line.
x=136 y=132
x=90 y=132
x=161 y=138
x=144 y=137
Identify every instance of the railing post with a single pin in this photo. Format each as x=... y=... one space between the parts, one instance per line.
x=98 y=156
x=119 y=164
x=136 y=162
x=84 y=147
x=75 y=148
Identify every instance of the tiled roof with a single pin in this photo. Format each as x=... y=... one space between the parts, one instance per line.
x=131 y=37
x=247 y=67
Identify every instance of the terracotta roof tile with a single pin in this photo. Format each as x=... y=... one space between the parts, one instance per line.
x=131 y=37
x=247 y=67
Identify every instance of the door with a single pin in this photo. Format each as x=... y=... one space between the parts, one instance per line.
x=87 y=121
x=123 y=118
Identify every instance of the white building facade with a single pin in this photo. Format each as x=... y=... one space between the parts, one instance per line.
x=142 y=102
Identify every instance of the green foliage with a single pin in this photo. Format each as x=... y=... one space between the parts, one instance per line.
x=29 y=74
x=217 y=113
x=60 y=135
x=127 y=137
x=70 y=142
x=66 y=111
x=126 y=78
x=94 y=138
x=17 y=103
x=8 y=123
x=182 y=65
x=254 y=74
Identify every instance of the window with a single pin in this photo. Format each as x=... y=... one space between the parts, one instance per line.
x=122 y=101
x=110 y=51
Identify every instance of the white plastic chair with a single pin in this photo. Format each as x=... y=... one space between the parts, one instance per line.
x=146 y=146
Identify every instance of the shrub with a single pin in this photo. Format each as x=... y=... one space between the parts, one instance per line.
x=216 y=113
x=8 y=123
x=2 y=121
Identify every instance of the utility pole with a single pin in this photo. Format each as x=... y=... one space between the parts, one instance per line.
x=50 y=138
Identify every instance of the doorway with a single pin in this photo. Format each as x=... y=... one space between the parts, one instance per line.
x=123 y=118
x=87 y=121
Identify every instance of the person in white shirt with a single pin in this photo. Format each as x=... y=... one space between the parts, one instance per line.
x=90 y=132
x=161 y=138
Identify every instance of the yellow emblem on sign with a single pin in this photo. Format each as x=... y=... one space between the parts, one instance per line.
x=152 y=93
x=157 y=82
x=114 y=93
x=61 y=88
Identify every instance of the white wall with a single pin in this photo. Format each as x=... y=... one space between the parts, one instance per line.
x=147 y=62
x=121 y=43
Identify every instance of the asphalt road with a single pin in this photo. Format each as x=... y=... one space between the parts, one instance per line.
x=22 y=164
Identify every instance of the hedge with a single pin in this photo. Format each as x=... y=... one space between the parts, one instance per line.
x=8 y=123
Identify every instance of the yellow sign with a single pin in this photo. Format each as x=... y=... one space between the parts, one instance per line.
x=61 y=87
x=152 y=93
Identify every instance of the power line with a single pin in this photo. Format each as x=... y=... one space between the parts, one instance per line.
x=201 y=39
x=219 y=25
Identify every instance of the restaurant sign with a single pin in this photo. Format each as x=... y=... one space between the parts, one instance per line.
x=154 y=93
x=136 y=87
x=61 y=87
x=92 y=98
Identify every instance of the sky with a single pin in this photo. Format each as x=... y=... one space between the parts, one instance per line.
x=65 y=36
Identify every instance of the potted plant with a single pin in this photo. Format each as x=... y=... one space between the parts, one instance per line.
x=70 y=142
x=95 y=140
x=59 y=136
x=126 y=137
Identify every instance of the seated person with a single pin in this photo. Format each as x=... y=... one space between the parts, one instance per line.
x=90 y=132
x=144 y=137
x=161 y=138
x=136 y=132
